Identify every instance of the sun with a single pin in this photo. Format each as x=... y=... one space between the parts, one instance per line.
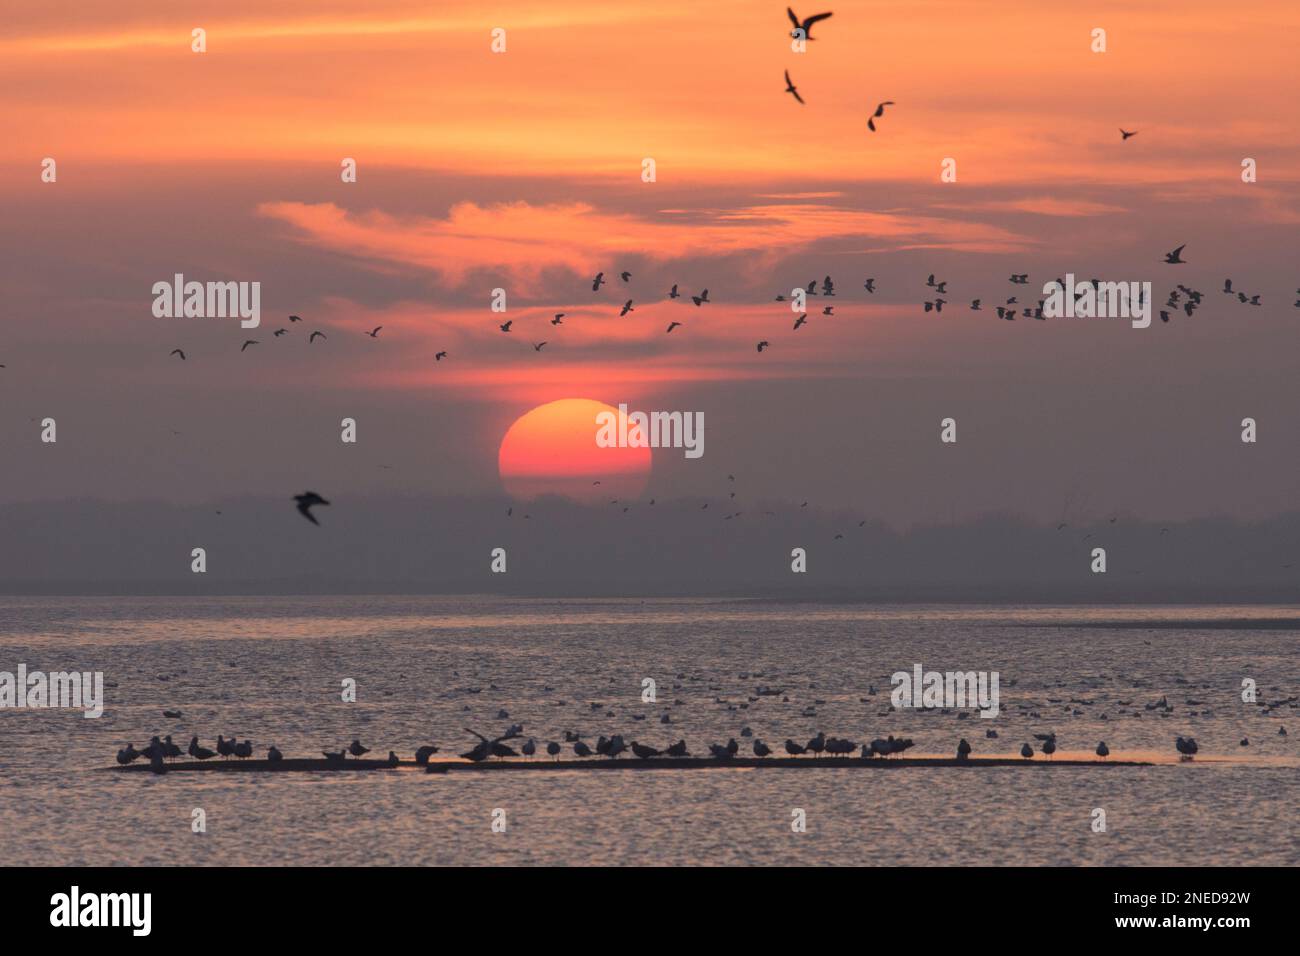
x=552 y=450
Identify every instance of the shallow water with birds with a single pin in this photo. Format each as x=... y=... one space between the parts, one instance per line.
x=430 y=669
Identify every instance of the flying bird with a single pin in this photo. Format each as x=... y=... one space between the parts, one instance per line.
x=1173 y=259
x=596 y=282
x=806 y=25
x=673 y=325
x=1125 y=134
x=247 y=343
x=375 y=333
x=439 y=356
x=312 y=338
x=537 y=346
x=279 y=332
x=762 y=345
x=505 y=326
x=802 y=320
x=792 y=90
x=558 y=317
x=173 y=352
x=306 y=502
x=673 y=293
x=295 y=318
x=701 y=298
x=627 y=307
x=625 y=276
x=880 y=111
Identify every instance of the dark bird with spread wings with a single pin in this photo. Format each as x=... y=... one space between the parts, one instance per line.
x=806 y=25
x=306 y=502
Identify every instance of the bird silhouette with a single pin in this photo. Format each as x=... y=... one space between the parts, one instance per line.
x=802 y=320
x=173 y=352
x=374 y=334
x=701 y=298
x=279 y=332
x=806 y=25
x=439 y=356
x=273 y=754
x=880 y=111
x=673 y=293
x=505 y=326
x=1173 y=259
x=295 y=318
x=356 y=749
x=249 y=342
x=306 y=502
x=673 y=325
x=627 y=307
x=312 y=338
x=625 y=276
x=1102 y=750
x=792 y=90
x=597 y=282
x=558 y=317
x=1125 y=134
x=537 y=346
x=762 y=345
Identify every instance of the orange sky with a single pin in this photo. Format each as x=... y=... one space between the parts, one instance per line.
x=522 y=171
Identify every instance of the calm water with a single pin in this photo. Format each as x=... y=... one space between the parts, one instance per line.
x=270 y=670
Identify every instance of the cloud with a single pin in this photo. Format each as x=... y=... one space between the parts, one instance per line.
x=525 y=240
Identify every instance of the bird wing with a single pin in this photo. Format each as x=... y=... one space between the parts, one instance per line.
x=807 y=24
x=795 y=94
x=793 y=18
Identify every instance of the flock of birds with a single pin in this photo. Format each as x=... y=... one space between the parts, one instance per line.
x=160 y=750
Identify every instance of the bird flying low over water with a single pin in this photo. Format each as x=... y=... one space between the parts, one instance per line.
x=792 y=90
x=880 y=111
x=806 y=25
x=1173 y=259
x=306 y=502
